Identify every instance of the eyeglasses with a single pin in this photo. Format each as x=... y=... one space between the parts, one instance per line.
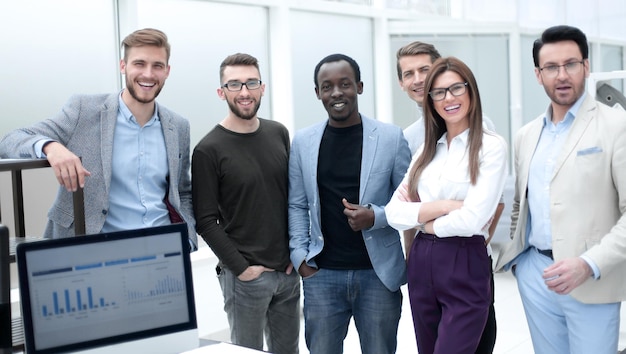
x=572 y=68
x=456 y=90
x=235 y=86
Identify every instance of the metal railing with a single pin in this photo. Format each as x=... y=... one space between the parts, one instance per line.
x=15 y=166
x=12 y=334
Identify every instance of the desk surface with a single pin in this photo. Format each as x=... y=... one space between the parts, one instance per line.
x=206 y=346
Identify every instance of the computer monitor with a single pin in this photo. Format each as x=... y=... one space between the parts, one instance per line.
x=127 y=291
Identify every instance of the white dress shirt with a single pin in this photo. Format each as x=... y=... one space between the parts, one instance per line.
x=447 y=177
x=414 y=133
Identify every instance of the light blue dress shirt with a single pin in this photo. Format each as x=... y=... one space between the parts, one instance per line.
x=540 y=174
x=139 y=174
x=548 y=148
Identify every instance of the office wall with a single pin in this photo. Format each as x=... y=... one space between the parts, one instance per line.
x=487 y=57
x=535 y=101
x=50 y=50
x=602 y=19
x=312 y=39
x=611 y=58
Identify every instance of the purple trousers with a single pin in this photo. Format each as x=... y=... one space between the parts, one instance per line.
x=449 y=291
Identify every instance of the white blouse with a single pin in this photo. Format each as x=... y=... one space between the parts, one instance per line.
x=447 y=177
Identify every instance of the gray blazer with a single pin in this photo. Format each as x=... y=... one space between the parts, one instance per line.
x=86 y=126
x=385 y=160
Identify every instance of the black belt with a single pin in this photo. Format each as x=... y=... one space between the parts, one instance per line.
x=547 y=253
x=454 y=239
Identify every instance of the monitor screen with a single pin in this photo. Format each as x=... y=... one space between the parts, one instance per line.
x=96 y=290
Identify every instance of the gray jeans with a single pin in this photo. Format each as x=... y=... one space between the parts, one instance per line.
x=269 y=304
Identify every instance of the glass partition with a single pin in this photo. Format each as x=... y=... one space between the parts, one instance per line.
x=486 y=55
x=315 y=36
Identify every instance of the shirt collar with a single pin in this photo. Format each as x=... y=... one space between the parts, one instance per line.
x=420 y=111
x=463 y=137
x=571 y=112
x=128 y=115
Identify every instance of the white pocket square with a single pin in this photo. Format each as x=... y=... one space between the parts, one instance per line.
x=587 y=151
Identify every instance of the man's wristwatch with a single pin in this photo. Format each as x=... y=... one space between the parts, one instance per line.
x=421 y=228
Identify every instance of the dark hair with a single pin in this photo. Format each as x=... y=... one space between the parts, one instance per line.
x=436 y=126
x=238 y=59
x=337 y=57
x=415 y=48
x=561 y=33
x=146 y=37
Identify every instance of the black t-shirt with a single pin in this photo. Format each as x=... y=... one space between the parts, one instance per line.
x=338 y=177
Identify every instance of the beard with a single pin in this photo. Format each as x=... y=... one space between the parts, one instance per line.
x=566 y=100
x=133 y=93
x=242 y=114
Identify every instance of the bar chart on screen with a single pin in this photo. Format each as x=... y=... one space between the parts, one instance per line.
x=73 y=301
x=101 y=290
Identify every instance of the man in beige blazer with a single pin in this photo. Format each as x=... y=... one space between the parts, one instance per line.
x=568 y=248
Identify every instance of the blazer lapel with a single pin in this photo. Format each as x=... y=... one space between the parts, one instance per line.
x=530 y=143
x=526 y=145
x=108 y=118
x=527 y=150
x=581 y=122
x=315 y=139
x=310 y=170
x=171 y=145
x=370 y=142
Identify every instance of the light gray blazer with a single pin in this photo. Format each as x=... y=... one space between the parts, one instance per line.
x=587 y=198
x=86 y=126
x=385 y=160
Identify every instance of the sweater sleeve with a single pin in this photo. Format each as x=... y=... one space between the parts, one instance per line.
x=205 y=196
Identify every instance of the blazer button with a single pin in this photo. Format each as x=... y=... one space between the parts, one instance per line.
x=104 y=211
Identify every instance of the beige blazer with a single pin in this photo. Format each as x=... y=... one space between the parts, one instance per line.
x=588 y=198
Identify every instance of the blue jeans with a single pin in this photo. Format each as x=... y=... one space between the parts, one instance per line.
x=269 y=304
x=332 y=297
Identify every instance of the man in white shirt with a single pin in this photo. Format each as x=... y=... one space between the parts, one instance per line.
x=413 y=65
